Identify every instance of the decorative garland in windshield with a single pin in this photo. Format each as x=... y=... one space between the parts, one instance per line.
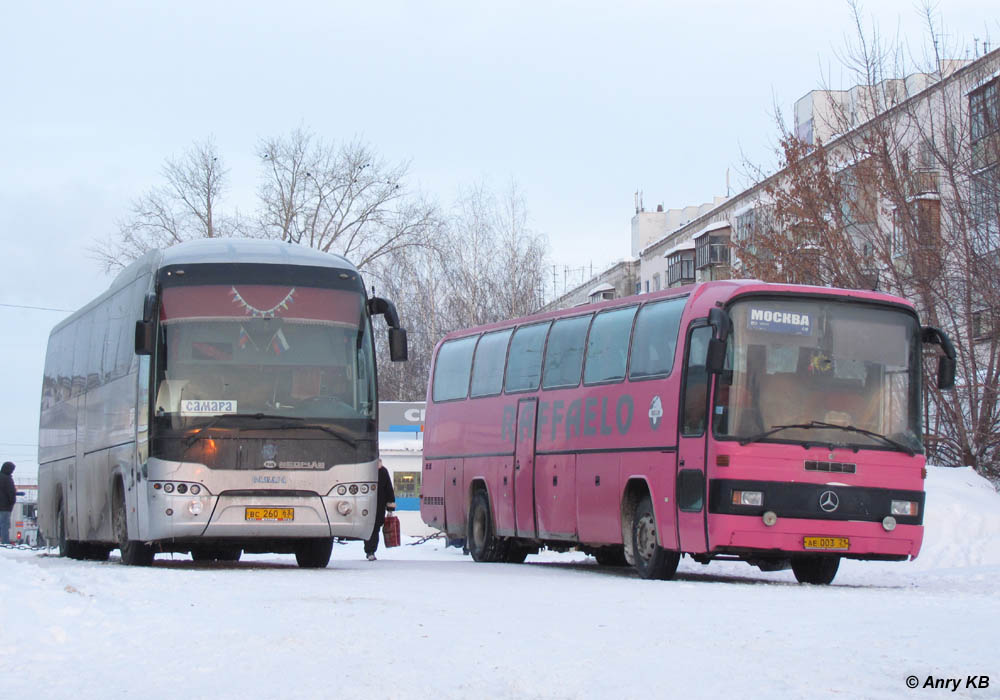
x=263 y=313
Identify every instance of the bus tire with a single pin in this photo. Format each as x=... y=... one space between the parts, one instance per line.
x=651 y=560
x=515 y=554
x=94 y=552
x=815 y=569
x=482 y=542
x=133 y=552
x=611 y=556
x=314 y=554
x=67 y=548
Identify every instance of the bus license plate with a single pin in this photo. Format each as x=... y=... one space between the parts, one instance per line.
x=270 y=514
x=827 y=543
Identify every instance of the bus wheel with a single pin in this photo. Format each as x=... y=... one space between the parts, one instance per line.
x=815 y=569
x=651 y=560
x=133 y=552
x=515 y=554
x=313 y=554
x=483 y=545
x=611 y=556
x=67 y=548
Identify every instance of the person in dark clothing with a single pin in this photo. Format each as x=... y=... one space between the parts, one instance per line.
x=8 y=496
x=386 y=500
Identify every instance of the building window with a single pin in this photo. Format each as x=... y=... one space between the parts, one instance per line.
x=680 y=268
x=983 y=325
x=656 y=282
x=711 y=250
x=984 y=113
x=985 y=207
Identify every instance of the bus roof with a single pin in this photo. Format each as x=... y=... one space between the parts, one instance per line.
x=235 y=250
x=216 y=250
x=705 y=293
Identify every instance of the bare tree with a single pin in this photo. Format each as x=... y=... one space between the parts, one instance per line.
x=184 y=208
x=486 y=265
x=904 y=197
x=342 y=199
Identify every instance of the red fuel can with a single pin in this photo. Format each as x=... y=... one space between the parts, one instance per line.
x=390 y=531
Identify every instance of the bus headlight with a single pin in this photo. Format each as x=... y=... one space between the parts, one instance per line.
x=904 y=508
x=194 y=507
x=748 y=498
x=770 y=518
x=888 y=523
x=342 y=490
x=344 y=508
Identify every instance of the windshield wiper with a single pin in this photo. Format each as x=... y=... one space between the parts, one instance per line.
x=299 y=423
x=816 y=424
x=210 y=424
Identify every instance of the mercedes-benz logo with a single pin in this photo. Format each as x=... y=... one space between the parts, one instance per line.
x=828 y=501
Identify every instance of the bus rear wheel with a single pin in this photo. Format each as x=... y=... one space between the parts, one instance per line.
x=133 y=552
x=481 y=541
x=651 y=560
x=314 y=554
x=815 y=569
x=67 y=548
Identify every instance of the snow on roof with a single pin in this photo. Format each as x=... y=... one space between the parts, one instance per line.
x=601 y=288
x=686 y=245
x=714 y=226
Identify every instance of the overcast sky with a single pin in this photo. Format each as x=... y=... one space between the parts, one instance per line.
x=580 y=103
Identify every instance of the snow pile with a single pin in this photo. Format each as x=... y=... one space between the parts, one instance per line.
x=426 y=621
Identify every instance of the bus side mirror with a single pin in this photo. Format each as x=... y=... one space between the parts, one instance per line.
x=721 y=322
x=946 y=373
x=397 y=345
x=145 y=338
x=397 y=334
x=946 y=363
x=715 y=362
x=148 y=307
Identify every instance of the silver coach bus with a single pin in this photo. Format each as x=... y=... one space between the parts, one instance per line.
x=220 y=397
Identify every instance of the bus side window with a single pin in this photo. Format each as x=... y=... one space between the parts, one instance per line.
x=655 y=339
x=564 y=352
x=524 y=364
x=696 y=383
x=607 y=346
x=451 y=371
x=487 y=367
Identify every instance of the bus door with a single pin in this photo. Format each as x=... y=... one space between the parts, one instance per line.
x=524 y=468
x=692 y=441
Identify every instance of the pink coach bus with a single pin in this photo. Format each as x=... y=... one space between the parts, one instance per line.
x=774 y=424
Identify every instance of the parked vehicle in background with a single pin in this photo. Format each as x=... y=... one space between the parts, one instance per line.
x=776 y=424
x=220 y=397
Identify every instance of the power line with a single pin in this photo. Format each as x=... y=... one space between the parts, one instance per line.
x=37 y=308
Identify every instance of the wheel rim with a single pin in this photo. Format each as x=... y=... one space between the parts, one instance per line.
x=645 y=537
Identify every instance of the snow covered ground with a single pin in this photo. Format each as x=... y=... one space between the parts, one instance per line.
x=426 y=622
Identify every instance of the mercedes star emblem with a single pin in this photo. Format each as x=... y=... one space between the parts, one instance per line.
x=828 y=501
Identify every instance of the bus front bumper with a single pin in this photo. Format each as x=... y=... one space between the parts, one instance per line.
x=175 y=516
x=848 y=538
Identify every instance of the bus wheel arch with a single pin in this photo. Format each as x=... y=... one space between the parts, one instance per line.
x=635 y=491
x=641 y=538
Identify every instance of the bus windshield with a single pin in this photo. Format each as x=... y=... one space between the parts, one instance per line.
x=821 y=372
x=299 y=353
